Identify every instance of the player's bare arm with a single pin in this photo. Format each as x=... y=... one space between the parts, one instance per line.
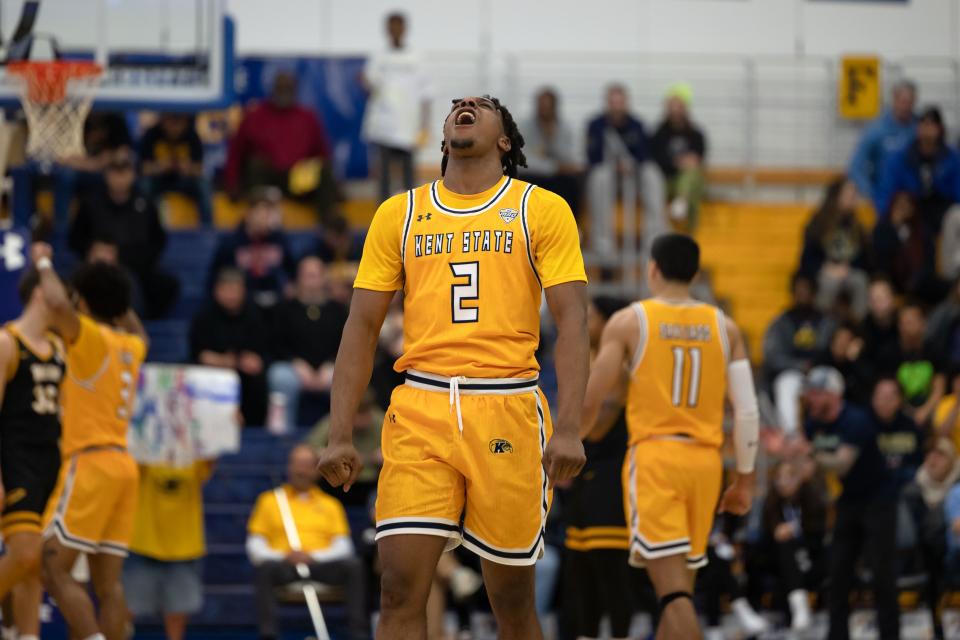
x=616 y=344
x=610 y=411
x=564 y=456
x=738 y=497
x=339 y=461
x=66 y=322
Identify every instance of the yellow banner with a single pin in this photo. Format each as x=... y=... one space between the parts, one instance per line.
x=859 y=90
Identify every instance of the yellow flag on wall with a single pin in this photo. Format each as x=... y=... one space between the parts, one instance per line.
x=859 y=87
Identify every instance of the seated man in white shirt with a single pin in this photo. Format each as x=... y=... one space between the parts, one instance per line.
x=326 y=547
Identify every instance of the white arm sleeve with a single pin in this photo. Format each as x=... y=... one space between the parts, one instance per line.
x=259 y=551
x=746 y=416
x=342 y=547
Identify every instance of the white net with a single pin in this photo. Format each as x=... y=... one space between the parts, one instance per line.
x=56 y=98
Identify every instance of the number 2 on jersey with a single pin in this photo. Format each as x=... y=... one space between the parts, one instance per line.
x=469 y=291
x=679 y=364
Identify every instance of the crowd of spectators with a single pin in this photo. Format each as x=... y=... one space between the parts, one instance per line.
x=862 y=370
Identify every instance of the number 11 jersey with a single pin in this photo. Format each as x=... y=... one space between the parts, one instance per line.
x=678 y=379
x=472 y=269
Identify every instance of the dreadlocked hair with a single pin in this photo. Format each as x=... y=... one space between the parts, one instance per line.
x=510 y=160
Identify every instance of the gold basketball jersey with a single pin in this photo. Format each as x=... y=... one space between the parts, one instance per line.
x=679 y=373
x=472 y=269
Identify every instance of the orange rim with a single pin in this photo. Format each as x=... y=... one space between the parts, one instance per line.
x=46 y=80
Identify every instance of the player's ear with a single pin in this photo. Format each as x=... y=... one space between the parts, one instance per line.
x=505 y=143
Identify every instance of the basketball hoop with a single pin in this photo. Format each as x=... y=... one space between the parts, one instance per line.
x=56 y=96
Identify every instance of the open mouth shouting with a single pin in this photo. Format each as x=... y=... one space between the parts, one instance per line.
x=465 y=117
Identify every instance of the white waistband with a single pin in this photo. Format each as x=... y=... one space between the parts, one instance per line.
x=469 y=386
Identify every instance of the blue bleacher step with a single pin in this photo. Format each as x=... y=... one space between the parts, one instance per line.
x=226 y=565
x=226 y=524
x=238 y=488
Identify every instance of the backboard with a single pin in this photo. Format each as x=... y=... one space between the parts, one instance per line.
x=157 y=54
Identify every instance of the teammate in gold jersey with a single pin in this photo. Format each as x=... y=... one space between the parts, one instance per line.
x=470 y=455
x=681 y=358
x=92 y=508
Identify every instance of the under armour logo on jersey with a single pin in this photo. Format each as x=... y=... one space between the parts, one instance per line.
x=424 y=216
x=500 y=445
x=509 y=215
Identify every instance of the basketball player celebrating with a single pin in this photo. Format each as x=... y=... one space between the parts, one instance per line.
x=682 y=357
x=92 y=508
x=468 y=452
x=31 y=369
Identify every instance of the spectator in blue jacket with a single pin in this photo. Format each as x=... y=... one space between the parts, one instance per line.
x=618 y=153
x=928 y=169
x=883 y=137
x=259 y=249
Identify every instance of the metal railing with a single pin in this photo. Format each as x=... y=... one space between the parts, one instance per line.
x=759 y=111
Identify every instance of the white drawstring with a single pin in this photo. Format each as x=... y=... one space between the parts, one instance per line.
x=455 y=400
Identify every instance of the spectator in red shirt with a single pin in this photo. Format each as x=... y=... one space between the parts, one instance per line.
x=282 y=144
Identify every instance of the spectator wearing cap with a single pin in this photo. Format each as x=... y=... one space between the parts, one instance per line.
x=282 y=144
x=306 y=336
x=118 y=213
x=550 y=150
x=891 y=132
x=928 y=169
x=679 y=148
x=259 y=249
x=171 y=157
x=844 y=441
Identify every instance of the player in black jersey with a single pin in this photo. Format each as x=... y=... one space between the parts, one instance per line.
x=31 y=369
x=597 y=542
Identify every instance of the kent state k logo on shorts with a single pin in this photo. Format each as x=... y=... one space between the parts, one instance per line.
x=499 y=445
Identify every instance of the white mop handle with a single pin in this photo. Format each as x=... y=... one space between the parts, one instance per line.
x=293 y=539
x=289 y=526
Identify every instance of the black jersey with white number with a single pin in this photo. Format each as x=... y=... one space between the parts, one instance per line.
x=30 y=412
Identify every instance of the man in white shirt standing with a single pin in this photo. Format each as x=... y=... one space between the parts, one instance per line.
x=398 y=109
